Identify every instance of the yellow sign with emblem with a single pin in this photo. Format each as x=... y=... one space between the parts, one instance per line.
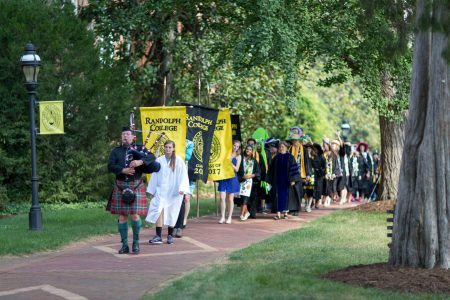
x=160 y=124
x=51 y=117
x=220 y=166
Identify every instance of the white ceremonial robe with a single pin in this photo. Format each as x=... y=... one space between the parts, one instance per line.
x=165 y=186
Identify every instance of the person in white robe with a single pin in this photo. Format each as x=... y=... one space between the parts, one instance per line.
x=167 y=188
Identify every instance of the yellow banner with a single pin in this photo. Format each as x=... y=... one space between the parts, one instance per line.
x=220 y=166
x=51 y=117
x=160 y=124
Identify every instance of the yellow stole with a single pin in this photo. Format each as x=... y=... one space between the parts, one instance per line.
x=256 y=155
x=295 y=151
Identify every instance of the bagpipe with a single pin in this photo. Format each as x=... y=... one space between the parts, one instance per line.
x=141 y=152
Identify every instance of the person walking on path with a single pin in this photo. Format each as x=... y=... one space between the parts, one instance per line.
x=249 y=175
x=185 y=204
x=365 y=163
x=331 y=172
x=283 y=174
x=128 y=197
x=228 y=187
x=167 y=187
x=301 y=158
x=319 y=166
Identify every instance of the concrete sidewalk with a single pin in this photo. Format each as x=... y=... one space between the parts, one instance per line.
x=94 y=270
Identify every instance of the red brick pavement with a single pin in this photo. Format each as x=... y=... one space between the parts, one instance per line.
x=94 y=270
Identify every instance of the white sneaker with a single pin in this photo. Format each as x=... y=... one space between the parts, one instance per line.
x=247 y=214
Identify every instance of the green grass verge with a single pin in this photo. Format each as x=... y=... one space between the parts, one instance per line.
x=289 y=265
x=65 y=223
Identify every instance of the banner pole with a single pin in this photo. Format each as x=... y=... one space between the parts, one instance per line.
x=199 y=88
x=198 y=203
x=215 y=199
x=164 y=90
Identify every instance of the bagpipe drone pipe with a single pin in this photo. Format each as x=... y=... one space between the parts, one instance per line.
x=140 y=152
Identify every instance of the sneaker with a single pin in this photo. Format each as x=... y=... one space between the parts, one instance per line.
x=169 y=239
x=156 y=240
x=178 y=232
x=247 y=214
x=308 y=209
x=228 y=221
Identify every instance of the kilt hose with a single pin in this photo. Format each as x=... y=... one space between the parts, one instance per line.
x=119 y=207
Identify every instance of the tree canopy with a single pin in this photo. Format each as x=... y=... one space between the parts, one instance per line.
x=96 y=99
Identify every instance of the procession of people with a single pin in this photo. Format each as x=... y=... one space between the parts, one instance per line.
x=282 y=177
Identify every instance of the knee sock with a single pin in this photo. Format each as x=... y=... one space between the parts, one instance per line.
x=123 y=230
x=136 y=226
x=158 y=231
x=170 y=230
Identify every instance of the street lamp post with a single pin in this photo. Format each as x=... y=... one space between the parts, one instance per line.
x=345 y=127
x=30 y=63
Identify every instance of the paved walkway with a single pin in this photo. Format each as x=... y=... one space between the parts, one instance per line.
x=94 y=270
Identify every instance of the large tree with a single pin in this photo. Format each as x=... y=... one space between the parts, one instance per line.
x=421 y=235
x=370 y=40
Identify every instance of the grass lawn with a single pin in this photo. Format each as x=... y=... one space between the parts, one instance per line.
x=64 y=224
x=289 y=265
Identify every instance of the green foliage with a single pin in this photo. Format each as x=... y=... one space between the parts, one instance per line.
x=369 y=39
x=96 y=103
x=342 y=101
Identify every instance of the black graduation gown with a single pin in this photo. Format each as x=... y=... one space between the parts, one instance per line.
x=366 y=183
x=296 y=191
x=319 y=166
x=256 y=182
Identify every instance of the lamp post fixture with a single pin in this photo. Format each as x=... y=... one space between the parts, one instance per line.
x=345 y=127
x=30 y=63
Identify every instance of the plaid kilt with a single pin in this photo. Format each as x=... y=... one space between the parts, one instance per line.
x=139 y=206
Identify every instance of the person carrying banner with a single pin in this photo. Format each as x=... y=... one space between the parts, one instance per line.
x=185 y=204
x=168 y=188
x=228 y=187
x=128 y=197
x=261 y=136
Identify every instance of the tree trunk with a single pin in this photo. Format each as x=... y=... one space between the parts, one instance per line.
x=392 y=138
x=421 y=235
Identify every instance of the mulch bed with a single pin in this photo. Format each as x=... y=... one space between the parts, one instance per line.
x=384 y=276
x=400 y=279
x=382 y=206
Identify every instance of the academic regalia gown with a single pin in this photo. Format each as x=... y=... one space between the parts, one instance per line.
x=296 y=191
x=165 y=186
x=282 y=171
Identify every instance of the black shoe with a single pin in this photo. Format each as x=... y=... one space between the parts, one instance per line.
x=124 y=250
x=135 y=249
